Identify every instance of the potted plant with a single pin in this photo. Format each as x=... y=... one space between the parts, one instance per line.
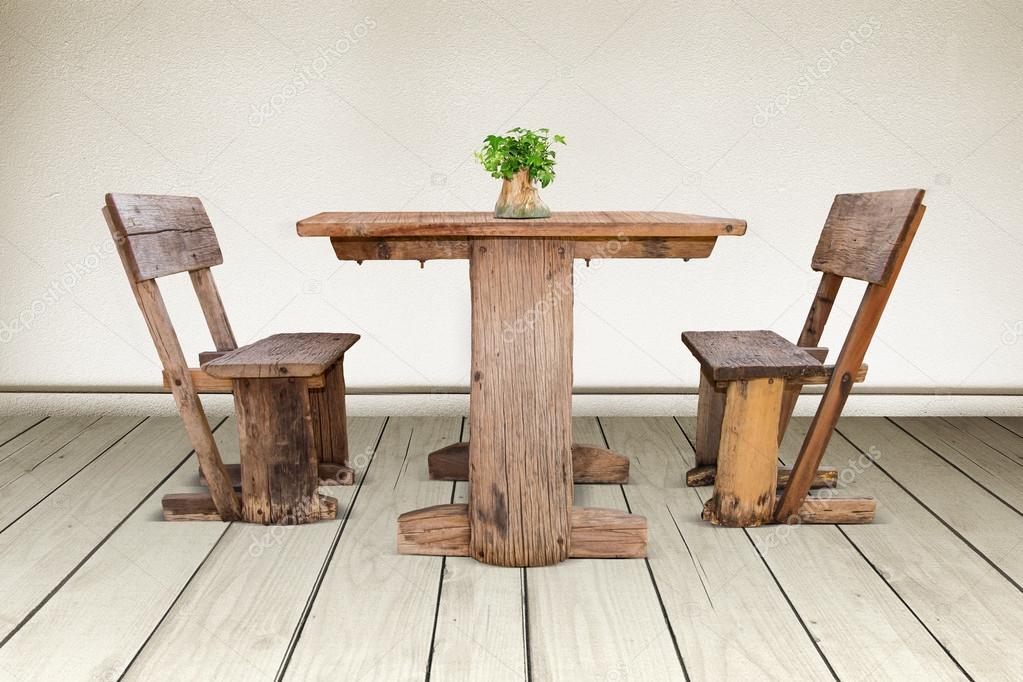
x=521 y=158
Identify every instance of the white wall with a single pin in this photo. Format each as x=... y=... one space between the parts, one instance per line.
x=271 y=113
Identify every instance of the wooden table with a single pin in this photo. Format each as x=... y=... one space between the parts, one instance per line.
x=520 y=458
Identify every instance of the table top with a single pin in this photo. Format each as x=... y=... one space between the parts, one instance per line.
x=567 y=225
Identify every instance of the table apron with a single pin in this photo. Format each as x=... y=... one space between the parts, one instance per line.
x=397 y=248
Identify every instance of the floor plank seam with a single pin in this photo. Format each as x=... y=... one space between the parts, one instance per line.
x=956 y=467
x=1004 y=454
x=436 y=612
x=170 y=608
x=965 y=434
x=684 y=434
x=700 y=573
x=23 y=432
x=528 y=652
x=930 y=511
x=909 y=608
x=795 y=611
x=667 y=620
x=98 y=545
x=30 y=443
x=404 y=463
x=1012 y=431
x=68 y=479
x=314 y=593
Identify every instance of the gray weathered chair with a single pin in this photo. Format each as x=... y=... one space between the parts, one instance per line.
x=288 y=389
x=750 y=380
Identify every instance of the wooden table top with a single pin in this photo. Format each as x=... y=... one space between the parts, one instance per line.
x=568 y=225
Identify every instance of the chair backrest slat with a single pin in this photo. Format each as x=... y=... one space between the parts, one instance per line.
x=213 y=309
x=163 y=235
x=864 y=232
x=820 y=310
x=810 y=336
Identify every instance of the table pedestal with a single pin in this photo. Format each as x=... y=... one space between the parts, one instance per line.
x=520 y=448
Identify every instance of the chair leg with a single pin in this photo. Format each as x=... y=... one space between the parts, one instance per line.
x=747 y=474
x=710 y=410
x=278 y=460
x=330 y=426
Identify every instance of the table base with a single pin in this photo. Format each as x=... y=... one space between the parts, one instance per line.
x=519 y=461
x=596 y=533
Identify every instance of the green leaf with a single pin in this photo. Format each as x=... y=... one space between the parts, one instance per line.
x=504 y=155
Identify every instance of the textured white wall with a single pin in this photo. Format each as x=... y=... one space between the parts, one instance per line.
x=273 y=111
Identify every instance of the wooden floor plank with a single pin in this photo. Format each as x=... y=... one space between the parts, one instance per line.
x=730 y=619
x=880 y=601
x=100 y=618
x=46 y=544
x=50 y=433
x=598 y=618
x=969 y=606
x=38 y=461
x=14 y=425
x=374 y=613
x=1014 y=424
x=480 y=631
x=1005 y=441
x=940 y=483
x=982 y=450
x=862 y=627
x=237 y=618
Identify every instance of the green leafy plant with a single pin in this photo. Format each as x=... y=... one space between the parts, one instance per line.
x=505 y=155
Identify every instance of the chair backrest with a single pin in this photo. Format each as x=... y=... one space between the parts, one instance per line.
x=864 y=232
x=866 y=237
x=164 y=235
x=160 y=235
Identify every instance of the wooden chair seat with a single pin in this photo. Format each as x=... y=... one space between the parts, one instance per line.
x=281 y=356
x=761 y=354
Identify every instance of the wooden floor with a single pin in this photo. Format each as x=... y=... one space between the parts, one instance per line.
x=94 y=587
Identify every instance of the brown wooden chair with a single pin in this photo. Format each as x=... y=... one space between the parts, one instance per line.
x=750 y=380
x=288 y=389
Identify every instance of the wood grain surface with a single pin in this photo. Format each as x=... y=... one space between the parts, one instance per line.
x=735 y=355
x=865 y=232
x=283 y=355
x=567 y=225
x=590 y=464
x=162 y=235
x=520 y=429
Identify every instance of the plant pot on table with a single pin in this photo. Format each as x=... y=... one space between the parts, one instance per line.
x=520 y=199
